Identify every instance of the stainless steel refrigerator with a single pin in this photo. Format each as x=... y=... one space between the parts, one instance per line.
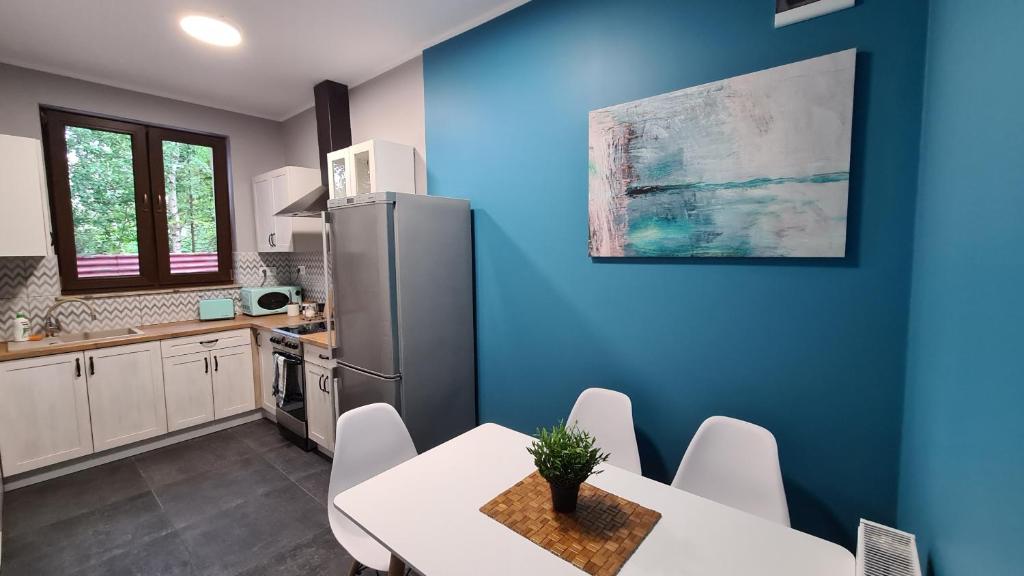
x=401 y=290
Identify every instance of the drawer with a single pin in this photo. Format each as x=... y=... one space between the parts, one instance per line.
x=317 y=355
x=205 y=342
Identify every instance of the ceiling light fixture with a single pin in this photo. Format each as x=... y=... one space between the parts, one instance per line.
x=211 y=30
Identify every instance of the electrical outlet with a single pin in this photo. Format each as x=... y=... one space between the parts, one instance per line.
x=265 y=272
x=302 y=270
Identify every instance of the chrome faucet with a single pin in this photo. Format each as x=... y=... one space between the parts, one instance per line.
x=51 y=325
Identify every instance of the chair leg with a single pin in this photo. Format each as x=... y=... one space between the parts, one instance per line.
x=397 y=567
x=355 y=569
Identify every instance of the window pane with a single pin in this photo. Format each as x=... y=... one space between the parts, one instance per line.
x=102 y=182
x=191 y=207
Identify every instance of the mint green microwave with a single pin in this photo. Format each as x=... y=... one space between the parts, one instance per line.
x=263 y=300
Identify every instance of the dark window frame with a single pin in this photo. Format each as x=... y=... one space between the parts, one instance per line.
x=150 y=204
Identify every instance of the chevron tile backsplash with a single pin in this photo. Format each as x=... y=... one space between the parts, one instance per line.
x=29 y=286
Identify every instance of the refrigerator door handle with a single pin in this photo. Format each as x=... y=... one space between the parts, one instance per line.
x=329 y=296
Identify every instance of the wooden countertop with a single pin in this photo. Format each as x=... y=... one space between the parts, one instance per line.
x=163 y=332
x=315 y=339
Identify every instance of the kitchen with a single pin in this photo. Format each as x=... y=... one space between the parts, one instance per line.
x=162 y=375
x=559 y=287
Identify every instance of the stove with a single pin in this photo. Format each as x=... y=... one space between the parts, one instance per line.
x=290 y=380
x=287 y=337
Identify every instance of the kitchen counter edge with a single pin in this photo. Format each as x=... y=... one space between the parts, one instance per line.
x=166 y=331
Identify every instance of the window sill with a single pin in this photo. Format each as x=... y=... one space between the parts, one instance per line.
x=115 y=294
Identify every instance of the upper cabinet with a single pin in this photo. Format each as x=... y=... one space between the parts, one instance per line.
x=273 y=191
x=25 y=220
x=370 y=167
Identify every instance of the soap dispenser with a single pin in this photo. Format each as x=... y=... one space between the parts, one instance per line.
x=21 y=328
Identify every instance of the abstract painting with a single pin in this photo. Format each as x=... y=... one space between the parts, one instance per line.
x=792 y=11
x=753 y=166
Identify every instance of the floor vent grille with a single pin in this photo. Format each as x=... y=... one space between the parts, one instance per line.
x=884 y=551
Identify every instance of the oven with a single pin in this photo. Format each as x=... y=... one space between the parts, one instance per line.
x=290 y=382
x=290 y=390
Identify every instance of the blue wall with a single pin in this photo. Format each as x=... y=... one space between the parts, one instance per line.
x=813 y=350
x=962 y=482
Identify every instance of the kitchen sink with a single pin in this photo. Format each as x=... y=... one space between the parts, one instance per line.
x=75 y=337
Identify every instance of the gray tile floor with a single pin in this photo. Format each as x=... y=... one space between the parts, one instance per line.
x=240 y=501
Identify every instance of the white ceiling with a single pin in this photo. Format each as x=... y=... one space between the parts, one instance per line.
x=287 y=46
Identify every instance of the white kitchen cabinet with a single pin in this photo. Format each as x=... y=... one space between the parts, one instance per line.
x=267 y=371
x=370 y=167
x=189 y=390
x=44 y=412
x=274 y=190
x=234 y=389
x=126 y=394
x=220 y=363
x=25 y=221
x=320 y=406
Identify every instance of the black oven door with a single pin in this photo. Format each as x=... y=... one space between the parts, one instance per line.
x=290 y=394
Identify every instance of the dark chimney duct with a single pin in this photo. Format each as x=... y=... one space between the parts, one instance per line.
x=333 y=126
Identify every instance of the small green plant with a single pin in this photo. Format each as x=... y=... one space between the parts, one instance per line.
x=565 y=457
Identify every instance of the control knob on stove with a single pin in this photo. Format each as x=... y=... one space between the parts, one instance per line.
x=292 y=345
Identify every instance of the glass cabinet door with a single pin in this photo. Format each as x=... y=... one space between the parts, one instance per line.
x=339 y=176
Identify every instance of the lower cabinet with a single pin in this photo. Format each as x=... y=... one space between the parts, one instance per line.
x=234 y=389
x=205 y=386
x=126 y=394
x=320 y=405
x=44 y=412
x=188 y=390
x=65 y=406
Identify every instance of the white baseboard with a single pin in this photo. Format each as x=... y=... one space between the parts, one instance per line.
x=93 y=460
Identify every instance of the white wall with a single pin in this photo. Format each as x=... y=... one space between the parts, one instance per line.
x=388 y=107
x=255 y=144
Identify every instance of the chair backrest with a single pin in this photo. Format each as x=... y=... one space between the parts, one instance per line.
x=735 y=463
x=607 y=415
x=370 y=439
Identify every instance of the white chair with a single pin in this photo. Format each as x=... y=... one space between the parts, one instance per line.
x=735 y=463
x=608 y=417
x=370 y=440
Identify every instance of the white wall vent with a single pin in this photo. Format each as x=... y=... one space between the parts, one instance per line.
x=884 y=551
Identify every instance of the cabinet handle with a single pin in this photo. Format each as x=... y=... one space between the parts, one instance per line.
x=92 y=367
x=216 y=364
x=270 y=240
x=206 y=365
x=324 y=356
x=323 y=383
x=209 y=342
x=78 y=368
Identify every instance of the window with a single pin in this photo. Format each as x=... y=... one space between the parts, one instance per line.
x=136 y=206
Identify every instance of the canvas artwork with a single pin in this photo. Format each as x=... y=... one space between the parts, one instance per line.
x=793 y=11
x=753 y=166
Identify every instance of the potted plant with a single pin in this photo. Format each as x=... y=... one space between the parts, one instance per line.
x=565 y=457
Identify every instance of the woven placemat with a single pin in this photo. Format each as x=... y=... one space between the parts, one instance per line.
x=598 y=539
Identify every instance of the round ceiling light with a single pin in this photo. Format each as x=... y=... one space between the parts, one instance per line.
x=211 y=30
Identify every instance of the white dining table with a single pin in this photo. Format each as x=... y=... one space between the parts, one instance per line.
x=426 y=512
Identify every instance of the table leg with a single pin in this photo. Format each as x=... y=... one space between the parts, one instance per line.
x=397 y=567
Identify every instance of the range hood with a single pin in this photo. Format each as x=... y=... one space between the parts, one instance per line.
x=333 y=132
x=309 y=206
